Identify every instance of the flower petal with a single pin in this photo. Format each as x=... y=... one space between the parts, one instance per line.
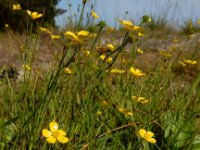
x=63 y=139
x=46 y=133
x=71 y=35
x=133 y=97
x=94 y=15
x=150 y=134
x=142 y=132
x=61 y=132
x=151 y=140
x=39 y=15
x=120 y=21
x=28 y=12
x=143 y=100
x=51 y=140
x=126 y=22
x=83 y=35
x=53 y=126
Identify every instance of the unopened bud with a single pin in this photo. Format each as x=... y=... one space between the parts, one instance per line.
x=84 y=1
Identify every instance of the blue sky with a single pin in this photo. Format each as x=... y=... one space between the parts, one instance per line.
x=176 y=11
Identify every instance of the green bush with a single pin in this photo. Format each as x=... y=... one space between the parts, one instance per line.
x=19 y=20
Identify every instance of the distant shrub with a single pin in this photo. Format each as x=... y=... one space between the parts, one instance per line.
x=18 y=19
x=190 y=27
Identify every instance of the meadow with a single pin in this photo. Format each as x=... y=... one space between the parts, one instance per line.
x=99 y=88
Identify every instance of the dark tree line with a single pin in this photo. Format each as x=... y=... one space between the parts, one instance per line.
x=18 y=19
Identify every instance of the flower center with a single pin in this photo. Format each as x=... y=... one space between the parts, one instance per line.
x=56 y=134
x=147 y=136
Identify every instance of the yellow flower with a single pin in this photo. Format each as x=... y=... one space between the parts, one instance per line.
x=72 y=36
x=147 y=135
x=55 y=36
x=55 y=134
x=182 y=63
x=164 y=53
x=110 y=47
x=99 y=113
x=26 y=67
x=117 y=71
x=107 y=60
x=104 y=103
x=81 y=37
x=45 y=30
x=187 y=62
x=190 y=62
x=139 y=51
x=94 y=15
x=129 y=25
x=34 y=15
x=136 y=72
x=125 y=111
x=84 y=35
x=141 y=100
x=16 y=7
x=67 y=71
x=86 y=53
x=141 y=34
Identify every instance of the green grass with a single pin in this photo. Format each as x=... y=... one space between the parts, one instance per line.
x=94 y=106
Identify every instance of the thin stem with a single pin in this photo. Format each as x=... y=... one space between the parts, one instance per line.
x=81 y=17
x=98 y=34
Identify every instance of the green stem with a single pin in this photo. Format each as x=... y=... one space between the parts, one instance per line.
x=98 y=34
x=81 y=17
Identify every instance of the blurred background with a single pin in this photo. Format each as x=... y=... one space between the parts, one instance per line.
x=176 y=12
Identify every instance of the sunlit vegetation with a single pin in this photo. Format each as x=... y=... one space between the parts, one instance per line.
x=91 y=86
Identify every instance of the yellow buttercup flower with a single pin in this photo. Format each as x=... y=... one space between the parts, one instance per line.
x=72 y=36
x=141 y=34
x=136 y=72
x=125 y=111
x=55 y=36
x=55 y=134
x=147 y=135
x=16 y=7
x=104 y=103
x=186 y=62
x=190 y=62
x=107 y=60
x=84 y=35
x=26 y=67
x=139 y=51
x=129 y=25
x=141 y=100
x=99 y=113
x=45 y=30
x=34 y=15
x=182 y=63
x=86 y=53
x=165 y=54
x=94 y=15
x=117 y=71
x=110 y=47
x=80 y=37
x=67 y=71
